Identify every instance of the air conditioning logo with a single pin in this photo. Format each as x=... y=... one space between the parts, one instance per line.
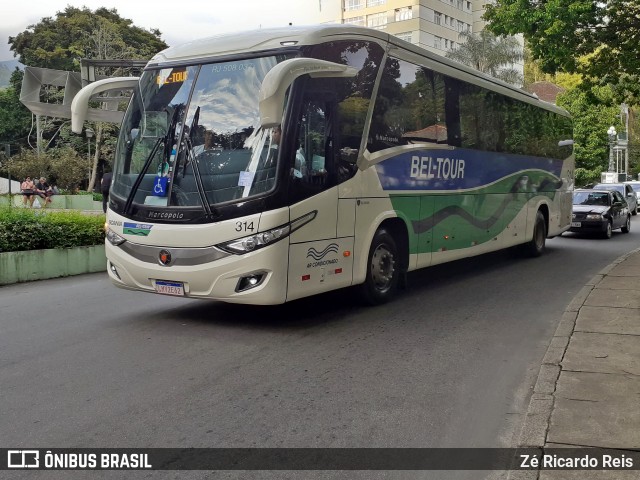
x=318 y=256
x=23 y=459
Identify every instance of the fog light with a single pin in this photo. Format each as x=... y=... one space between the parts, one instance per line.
x=250 y=281
x=114 y=270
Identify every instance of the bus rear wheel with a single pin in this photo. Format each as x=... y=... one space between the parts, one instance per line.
x=383 y=269
x=535 y=246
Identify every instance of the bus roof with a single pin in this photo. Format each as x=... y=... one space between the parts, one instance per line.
x=269 y=39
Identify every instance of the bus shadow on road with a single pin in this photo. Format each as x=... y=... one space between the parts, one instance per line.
x=323 y=309
x=345 y=305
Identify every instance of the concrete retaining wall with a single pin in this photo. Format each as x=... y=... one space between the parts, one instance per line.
x=73 y=202
x=18 y=267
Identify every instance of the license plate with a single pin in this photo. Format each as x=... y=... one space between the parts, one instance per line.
x=170 y=288
x=576 y=224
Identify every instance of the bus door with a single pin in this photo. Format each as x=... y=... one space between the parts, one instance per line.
x=318 y=259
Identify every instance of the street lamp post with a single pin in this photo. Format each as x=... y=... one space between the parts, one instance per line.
x=612 y=140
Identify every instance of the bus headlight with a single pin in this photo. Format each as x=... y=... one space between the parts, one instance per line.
x=114 y=238
x=262 y=239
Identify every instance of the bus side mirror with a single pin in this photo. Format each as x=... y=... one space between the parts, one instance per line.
x=279 y=79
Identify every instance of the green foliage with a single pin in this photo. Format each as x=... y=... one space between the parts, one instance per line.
x=593 y=113
x=77 y=33
x=61 y=166
x=60 y=42
x=69 y=168
x=586 y=177
x=15 y=119
x=23 y=229
x=561 y=33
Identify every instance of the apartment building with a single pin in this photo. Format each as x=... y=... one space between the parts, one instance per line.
x=432 y=24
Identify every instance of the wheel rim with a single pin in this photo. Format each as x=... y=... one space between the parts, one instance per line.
x=609 y=230
x=382 y=267
x=628 y=223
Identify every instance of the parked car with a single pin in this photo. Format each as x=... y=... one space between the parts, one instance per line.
x=635 y=184
x=625 y=190
x=600 y=211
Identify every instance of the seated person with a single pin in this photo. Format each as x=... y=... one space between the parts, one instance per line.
x=28 y=190
x=44 y=191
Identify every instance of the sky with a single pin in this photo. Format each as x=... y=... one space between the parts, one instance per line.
x=179 y=20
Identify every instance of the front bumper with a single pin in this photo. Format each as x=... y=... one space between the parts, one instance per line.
x=590 y=226
x=215 y=279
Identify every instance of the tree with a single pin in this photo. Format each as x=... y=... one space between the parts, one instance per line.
x=489 y=54
x=593 y=112
x=15 y=119
x=77 y=33
x=560 y=32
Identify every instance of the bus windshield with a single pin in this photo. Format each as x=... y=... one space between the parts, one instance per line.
x=191 y=137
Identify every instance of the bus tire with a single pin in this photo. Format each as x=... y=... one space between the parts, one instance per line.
x=383 y=269
x=535 y=246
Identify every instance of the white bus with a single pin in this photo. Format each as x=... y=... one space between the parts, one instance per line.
x=270 y=165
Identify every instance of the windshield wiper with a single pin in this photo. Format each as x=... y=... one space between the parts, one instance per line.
x=191 y=158
x=147 y=163
x=198 y=177
x=140 y=177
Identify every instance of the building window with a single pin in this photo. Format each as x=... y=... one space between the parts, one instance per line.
x=352 y=5
x=468 y=5
x=406 y=36
x=355 y=21
x=377 y=20
x=404 y=13
x=459 y=4
x=437 y=18
x=375 y=3
x=437 y=42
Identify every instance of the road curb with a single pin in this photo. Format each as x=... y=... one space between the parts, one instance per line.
x=537 y=419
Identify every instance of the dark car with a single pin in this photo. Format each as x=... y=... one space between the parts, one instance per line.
x=600 y=211
x=625 y=190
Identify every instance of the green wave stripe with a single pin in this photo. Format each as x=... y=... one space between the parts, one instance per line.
x=452 y=221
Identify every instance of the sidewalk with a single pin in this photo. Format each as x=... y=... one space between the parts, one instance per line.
x=588 y=388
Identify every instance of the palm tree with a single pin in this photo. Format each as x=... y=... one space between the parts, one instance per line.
x=490 y=54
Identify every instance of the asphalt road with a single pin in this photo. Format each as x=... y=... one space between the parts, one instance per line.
x=448 y=364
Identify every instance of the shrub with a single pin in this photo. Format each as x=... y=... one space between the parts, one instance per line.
x=587 y=177
x=22 y=229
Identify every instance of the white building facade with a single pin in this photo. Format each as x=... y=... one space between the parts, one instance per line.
x=432 y=24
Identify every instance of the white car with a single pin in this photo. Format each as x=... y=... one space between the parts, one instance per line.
x=624 y=189
x=636 y=188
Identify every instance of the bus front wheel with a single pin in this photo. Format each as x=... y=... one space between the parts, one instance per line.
x=383 y=269
x=535 y=246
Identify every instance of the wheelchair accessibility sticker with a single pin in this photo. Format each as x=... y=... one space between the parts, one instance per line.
x=160 y=186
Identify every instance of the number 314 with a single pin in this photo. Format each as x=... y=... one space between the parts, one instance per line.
x=244 y=226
